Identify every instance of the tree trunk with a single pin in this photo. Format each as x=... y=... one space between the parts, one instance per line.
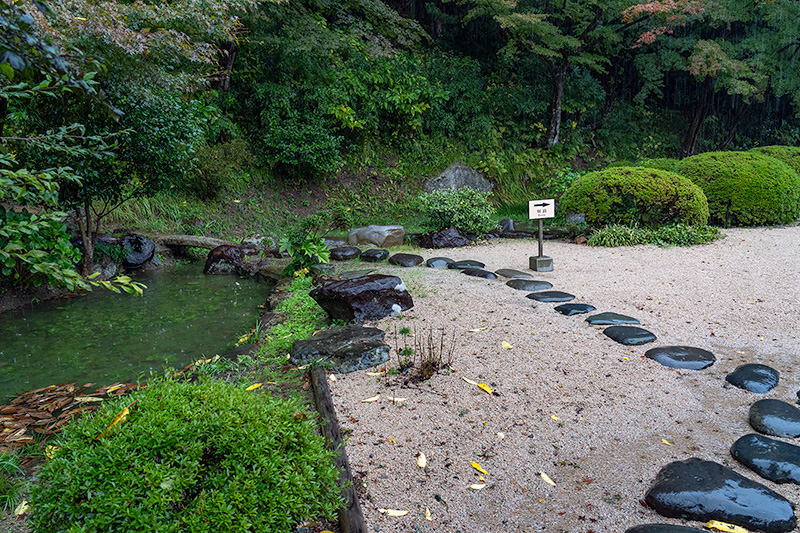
x=558 y=74
x=701 y=111
x=228 y=53
x=84 y=221
x=732 y=132
x=3 y=114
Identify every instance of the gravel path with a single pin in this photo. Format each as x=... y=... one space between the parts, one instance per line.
x=591 y=414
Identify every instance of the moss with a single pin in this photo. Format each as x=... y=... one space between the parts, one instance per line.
x=635 y=195
x=661 y=163
x=788 y=154
x=745 y=189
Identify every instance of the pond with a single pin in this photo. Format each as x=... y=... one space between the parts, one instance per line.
x=105 y=337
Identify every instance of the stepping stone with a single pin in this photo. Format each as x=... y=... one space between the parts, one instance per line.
x=466 y=263
x=754 y=378
x=529 y=285
x=774 y=417
x=406 y=260
x=574 y=309
x=479 y=273
x=610 y=319
x=438 y=262
x=514 y=274
x=663 y=528
x=345 y=253
x=373 y=255
x=629 y=335
x=701 y=490
x=771 y=459
x=683 y=357
x=550 y=296
x=353 y=274
x=322 y=268
x=347 y=348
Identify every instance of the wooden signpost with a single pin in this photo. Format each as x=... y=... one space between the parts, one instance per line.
x=541 y=209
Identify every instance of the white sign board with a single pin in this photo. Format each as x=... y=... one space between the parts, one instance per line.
x=541 y=208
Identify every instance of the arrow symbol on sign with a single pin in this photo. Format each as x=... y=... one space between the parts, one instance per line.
x=540 y=205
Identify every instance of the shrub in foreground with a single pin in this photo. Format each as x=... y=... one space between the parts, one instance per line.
x=467 y=209
x=788 y=154
x=661 y=163
x=208 y=457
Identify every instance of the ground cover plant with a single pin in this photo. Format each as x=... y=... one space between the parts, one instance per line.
x=667 y=235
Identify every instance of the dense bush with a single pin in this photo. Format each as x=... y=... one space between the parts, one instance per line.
x=661 y=163
x=465 y=208
x=788 y=154
x=668 y=235
x=635 y=195
x=745 y=189
x=191 y=458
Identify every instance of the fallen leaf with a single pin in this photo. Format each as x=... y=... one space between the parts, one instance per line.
x=723 y=526
x=428 y=515
x=668 y=443
x=391 y=439
x=112 y=389
x=554 y=417
x=481 y=478
x=506 y=345
x=121 y=417
x=22 y=508
x=422 y=461
x=375 y=373
x=372 y=399
x=332 y=378
x=50 y=450
x=547 y=479
x=484 y=387
x=254 y=386
x=477 y=467
x=476 y=330
x=477 y=486
x=501 y=435
x=393 y=399
x=469 y=381
x=393 y=512
x=83 y=399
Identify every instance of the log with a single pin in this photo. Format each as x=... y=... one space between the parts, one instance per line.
x=195 y=241
x=351 y=518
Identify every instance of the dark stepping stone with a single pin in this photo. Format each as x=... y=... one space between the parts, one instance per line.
x=774 y=417
x=701 y=490
x=683 y=357
x=356 y=274
x=754 y=378
x=629 y=335
x=479 y=273
x=663 y=528
x=345 y=253
x=771 y=459
x=550 y=296
x=574 y=309
x=373 y=255
x=466 y=263
x=406 y=260
x=438 y=262
x=610 y=319
x=529 y=285
x=514 y=274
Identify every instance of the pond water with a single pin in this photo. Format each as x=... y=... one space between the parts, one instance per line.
x=105 y=337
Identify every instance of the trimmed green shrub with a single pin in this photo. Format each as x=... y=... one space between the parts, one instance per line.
x=745 y=189
x=661 y=163
x=207 y=457
x=788 y=154
x=635 y=195
x=467 y=209
x=668 y=235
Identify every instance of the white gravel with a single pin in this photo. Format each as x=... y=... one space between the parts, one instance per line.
x=590 y=413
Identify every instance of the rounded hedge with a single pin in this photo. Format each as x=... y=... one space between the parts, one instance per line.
x=745 y=189
x=788 y=154
x=661 y=163
x=636 y=195
x=208 y=457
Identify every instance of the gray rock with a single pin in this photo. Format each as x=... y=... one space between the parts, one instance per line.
x=345 y=253
x=406 y=260
x=549 y=296
x=479 y=273
x=771 y=459
x=225 y=259
x=629 y=335
x=465 y=263
x=683 y=357
x=380 y=236
x=457 y=176
x=374 y=255
x=438 y=262
x=576 y=218
x=444 y=238
x=326 y=269
x=507 y=224
x=754 y=378
x=574 y=309
x=353 y=274
x=774 y=417
x=370 y=297
x=610 y=319
x=529 y=285
x=348 y=348
x=513 y=274
x=140 y=250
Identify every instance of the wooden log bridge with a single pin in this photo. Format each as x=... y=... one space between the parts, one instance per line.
x=195 y=241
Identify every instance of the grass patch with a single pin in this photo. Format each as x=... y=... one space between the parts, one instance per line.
x=11 y=484
x=669 y=235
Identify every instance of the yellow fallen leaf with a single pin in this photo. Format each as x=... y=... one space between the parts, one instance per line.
x=372 y=399
x=393 y=512
x=254 y=386
x=469 y=381
x=391 y=439
x=50 y=450
x=22 y=508
x=422 y=461
x=723 y=526
x=477 y=467
x=121 y=417
x=554 y=417
x=112 y=389
x=393 y=399
x=668 y=443
x=484 y=387
x=506 y=345
x=481 y=478
x=332 y=378
x=477 y=486
x=325 y=531
x=84 y=399
x=476 y=330
x=376 y=373
x=428 y=515
x=547 y=479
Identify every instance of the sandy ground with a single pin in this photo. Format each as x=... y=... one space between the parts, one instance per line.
x=592 y=414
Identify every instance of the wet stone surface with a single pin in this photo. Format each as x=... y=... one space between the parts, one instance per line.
x=345 y=253
x=777 y=418
x=683 y=357
x=479 y=273
x=771 y=459
x=610 y=319
x=529 y=285
x=629 y=335
x=574 y=309
x=704 y=490
x=438 y=262
x=406 y=260
x=754 y=378
x=663 y=528
x=514 y=274
x=466 y=263
x=550 y=296
x=353 y=274
x=373 y=255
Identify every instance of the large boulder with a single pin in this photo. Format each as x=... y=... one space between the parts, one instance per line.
x=444 y=238
x=457 y=176
x=369 y=297
x=140 y=250
x=225 y=259
x=347 y=348
x=380 y=236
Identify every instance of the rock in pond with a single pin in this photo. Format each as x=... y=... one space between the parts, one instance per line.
x=345 y=253
x=444 y=238
x=771 y=459
x=465 y=263
x=754 y=378
x=683 y=357
x=704 y=490
x=374 y=255
x=479 y=273
x=574 y=309
x=224 y=259
x=513 y=274
x=629 y=335
x=438 y=262
x=550 y=296
x=406 y=260
x=380 y=236
x=529 y=285
x=370 y=297
x=663 y=528
x=140 y=250
x=610 y=319
x=348 y=348
x=777 y=418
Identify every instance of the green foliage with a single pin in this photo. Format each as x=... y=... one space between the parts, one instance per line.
x=302 y=147
x=222 y=167
x=467 y=209
x=115 y=252
x=661 y=163
x=745 y=189
x=305 y=244
x=189 y=457
x=668 y=235
x=635 y=195
x=302 y=317
x=788 y=154
x=11 y=485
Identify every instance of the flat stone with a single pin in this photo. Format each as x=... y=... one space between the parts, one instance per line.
x=663 y=528
x=438 y=262
x=514 y=274
x=369 y=297
x=374 y=255
x=774 y=417
x=529 y=285
x=322 y=268
x=406 y=260
x=353 y=274
x=347 y=348
x=479 y=273
x=683 y=357
x=345 y=253
x=754 y=378
x=771 y=459
x=701 y=490
x=610 y=319
x=550 y=296
x=629 y=335
x=380 y=236
x=466 y=263
x=574 y=309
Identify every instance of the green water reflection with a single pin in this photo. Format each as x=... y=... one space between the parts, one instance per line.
x=105 y=337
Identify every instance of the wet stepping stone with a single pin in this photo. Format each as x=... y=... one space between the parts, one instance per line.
x=610 y=319
x=663 y=528
x=529 y=285
x=373 y=255
x=479 y=273
x=754 y=378
x=574 y=309
x=629 y=335
x=683 y=357
x=771 y=459
x=356 y=274
x=406 y=260
x=345 y=253
x=550 y=296
x=514 y=274
x=704 y=490
x=438 y=262
x=466 y=263
x=777 y=418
